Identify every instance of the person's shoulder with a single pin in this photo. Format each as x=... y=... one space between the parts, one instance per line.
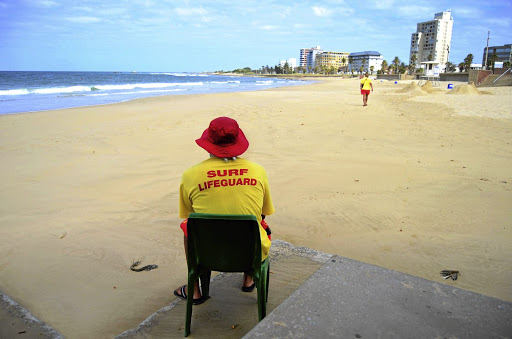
x=195 y=167
x=246 y=162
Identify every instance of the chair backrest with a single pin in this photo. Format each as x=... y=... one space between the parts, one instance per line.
x=225 y=243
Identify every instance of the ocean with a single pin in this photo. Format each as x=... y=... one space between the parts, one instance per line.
x=40 y=91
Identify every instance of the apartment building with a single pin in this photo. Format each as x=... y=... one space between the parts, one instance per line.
x=338 y=60
x=366 y=60
x=498 y=53
x=308 y=57
x=303 y=57
x=292 y=63
x=432 y=40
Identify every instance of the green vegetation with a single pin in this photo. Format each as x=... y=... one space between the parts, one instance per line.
x=450 y=67
x=244 y=71
x=467 y=62
x=396 y=62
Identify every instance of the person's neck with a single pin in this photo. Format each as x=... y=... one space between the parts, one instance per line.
x=225 y=159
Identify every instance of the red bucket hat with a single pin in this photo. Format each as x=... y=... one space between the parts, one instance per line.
x=223 y=138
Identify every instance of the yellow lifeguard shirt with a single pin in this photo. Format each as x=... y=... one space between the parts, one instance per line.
x=227 y=187
x=366 y=83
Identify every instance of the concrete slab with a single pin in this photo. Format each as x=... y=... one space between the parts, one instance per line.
x=15 y=321
x=231 y=313
x=313 y=295
x=350 y=299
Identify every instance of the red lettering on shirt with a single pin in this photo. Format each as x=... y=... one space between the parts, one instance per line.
x=230 y=172
x=227 y=182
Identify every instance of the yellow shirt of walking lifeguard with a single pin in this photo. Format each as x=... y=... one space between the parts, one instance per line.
x=366 y=82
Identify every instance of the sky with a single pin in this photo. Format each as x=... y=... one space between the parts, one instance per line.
x=212 y=35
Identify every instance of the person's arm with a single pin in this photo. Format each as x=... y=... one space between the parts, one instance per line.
x=371 y=85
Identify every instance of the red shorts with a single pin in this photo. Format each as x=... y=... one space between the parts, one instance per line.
x=183 y=226
x=365 y=91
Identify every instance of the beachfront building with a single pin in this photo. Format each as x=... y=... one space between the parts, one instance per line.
x=292 y=63
x=338 y=60
x=432 y=40
x=497 y=54
x=303 y=58
x=308 y=58
x=366 y=61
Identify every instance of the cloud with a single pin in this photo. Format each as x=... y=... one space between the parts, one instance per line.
x=269 y=27
x=83 y=19
x=321 y=11
x=503 y=22
x=414 y=11
x=383 y=4
x=190 y=11
x=300 y=26
x=83 y=8
x=467 y=12
x=45 y=3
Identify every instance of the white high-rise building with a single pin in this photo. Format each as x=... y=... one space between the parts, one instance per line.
x=432 y=40
x=308 y=56
x=292 y=63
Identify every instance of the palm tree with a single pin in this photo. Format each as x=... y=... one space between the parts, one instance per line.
x=363 y=62
x=350 y=61
x=396 y=62
x=384 y=66
x=467 y=62
x=343 y=61
x=412 y=64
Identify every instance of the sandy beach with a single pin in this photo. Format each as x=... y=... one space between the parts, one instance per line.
x=419 y=181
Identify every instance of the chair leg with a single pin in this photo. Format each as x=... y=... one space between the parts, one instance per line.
x=263 y=291
x=267 y=273
x=190 y=299
x=205 y=284
x=262 y=305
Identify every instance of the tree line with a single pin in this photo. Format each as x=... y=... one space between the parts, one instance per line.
x=395 y=67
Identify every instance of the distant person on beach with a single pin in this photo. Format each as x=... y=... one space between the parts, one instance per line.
x=225 y=184
x=366 y=85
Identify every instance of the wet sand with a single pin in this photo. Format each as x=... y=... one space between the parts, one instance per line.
x=413 y=182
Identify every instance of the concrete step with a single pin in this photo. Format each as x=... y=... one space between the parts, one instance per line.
x=350 y=299
x=231 y=313
x=505 y=80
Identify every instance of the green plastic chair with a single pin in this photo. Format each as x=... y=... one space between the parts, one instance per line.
x=224 y=243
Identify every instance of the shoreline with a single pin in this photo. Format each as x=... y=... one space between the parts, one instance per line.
x=406 y=183
x=30 y=92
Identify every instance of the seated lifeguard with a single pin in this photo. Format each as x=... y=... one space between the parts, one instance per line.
x=225 y=184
